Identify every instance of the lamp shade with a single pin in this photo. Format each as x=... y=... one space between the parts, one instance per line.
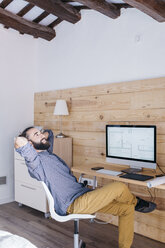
x=61 y=108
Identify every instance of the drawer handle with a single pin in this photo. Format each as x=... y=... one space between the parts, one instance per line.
x=23 y=163
x=27 y=187
x=19 y=159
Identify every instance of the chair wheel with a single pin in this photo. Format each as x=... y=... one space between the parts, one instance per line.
x=83 y=245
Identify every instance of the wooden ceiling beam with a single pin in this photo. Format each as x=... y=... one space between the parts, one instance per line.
x=153 y=8
x=55 y=23
x=58 y=20
x=80 y=7
x=67 y=1
x=123 y=5
x=25 y=27
x=41 y=17
x=25 y=10
x=56 y=7
x=108 y=9
x=5 y=3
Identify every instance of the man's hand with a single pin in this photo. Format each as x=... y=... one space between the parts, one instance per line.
x=46 y=134
x=20 y=141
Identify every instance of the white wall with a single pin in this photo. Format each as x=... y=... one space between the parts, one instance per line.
x=100 y=50
x=17 y=70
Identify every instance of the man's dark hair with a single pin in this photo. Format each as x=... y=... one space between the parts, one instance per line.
x=24 y=133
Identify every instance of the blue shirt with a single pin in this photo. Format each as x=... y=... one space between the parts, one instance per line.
x=48 y=167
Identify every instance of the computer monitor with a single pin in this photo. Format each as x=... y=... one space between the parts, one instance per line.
x=132 y=145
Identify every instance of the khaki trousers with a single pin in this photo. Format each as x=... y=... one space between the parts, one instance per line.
x=113 y=198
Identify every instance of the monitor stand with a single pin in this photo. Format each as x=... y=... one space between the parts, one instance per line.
x=132 y=170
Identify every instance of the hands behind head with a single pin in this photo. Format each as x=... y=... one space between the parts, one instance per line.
x=46 y=134
x=20 y=141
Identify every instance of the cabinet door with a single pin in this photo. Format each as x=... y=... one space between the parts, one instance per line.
x=28 y=190
x=18 y=156
x=63 y=148
x=22 y=174
x=31 y=196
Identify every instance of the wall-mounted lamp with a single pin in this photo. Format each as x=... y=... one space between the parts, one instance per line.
x=61 y=109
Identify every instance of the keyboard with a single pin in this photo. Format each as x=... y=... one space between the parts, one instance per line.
x=139 y=177
x=109 y=172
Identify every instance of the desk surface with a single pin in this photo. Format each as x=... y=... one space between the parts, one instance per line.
x=86 y=169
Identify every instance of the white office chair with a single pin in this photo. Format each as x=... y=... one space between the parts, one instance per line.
x=75 y=217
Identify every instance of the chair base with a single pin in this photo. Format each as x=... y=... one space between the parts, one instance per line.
x=82 y=244
x=77 y=243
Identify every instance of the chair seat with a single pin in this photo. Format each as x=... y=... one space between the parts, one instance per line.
x=76 y=217
x=68 y=217
x=58 y=217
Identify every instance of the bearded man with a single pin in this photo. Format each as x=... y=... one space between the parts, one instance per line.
x=72 y=197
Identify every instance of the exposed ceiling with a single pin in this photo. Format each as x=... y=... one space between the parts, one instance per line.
x=40 y=17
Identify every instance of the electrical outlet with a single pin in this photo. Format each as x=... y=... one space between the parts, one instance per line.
x=90 y=181
x=3 y=180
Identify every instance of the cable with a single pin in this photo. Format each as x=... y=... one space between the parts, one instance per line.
x=102 y=222
x=149 y=191
x=154 y=194
x=161 y=169
x=153 y=197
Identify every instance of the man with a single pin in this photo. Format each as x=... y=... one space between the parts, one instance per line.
x=72 y=197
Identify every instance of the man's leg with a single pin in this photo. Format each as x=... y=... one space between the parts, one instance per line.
x=126 y=221
x=114 y=198
x=93 y=201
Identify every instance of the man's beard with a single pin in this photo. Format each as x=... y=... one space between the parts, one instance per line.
x=40 y=145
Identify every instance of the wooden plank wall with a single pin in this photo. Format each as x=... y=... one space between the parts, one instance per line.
x=139 y=102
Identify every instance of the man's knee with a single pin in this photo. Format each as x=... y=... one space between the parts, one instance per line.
x=121 y=186
x=129 y=210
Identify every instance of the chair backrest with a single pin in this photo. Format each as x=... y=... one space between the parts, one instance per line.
x=58 y=217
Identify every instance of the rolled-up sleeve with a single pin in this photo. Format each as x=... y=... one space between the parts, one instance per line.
x=50 y=139
x=33 y=161
x=30 y=155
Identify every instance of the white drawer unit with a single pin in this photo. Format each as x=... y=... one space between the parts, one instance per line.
x=22 y=174
x=31 y=196
x=28 y=191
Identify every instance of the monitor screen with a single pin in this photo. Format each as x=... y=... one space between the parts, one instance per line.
x=128 y=142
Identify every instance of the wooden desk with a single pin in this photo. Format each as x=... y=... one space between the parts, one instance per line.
x=150 y=225
x=87 y=170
